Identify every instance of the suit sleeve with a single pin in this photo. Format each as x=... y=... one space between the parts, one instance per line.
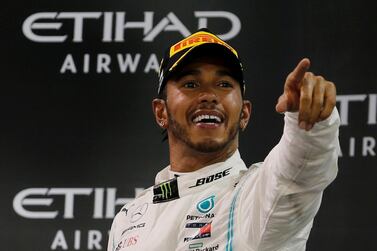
x=281 y=196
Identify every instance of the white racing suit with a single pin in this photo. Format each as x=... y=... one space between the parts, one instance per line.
x=226 y=206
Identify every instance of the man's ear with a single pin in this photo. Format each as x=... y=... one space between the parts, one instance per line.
x=245 y=114
x=160 y=112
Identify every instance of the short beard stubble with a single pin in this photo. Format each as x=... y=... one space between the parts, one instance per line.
x=207 y=146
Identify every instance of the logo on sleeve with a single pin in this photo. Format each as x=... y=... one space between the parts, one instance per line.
x=139 y=212
x=127 y=242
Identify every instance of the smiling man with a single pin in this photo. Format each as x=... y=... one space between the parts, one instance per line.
x=207 y=199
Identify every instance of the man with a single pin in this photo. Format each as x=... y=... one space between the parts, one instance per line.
x=207 y=199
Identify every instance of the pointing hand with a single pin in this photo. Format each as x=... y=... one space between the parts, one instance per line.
x=312 y=96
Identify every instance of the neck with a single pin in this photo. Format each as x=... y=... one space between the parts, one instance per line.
x=186 y=159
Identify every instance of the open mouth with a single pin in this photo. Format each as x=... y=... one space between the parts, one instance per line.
x=208 y=118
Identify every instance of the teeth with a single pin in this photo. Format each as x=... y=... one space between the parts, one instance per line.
x=201 y=117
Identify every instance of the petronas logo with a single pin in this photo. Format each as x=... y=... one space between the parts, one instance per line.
x=166 y=190
x=206 y=205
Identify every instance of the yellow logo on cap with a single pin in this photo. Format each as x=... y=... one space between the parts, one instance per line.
x=196 y=39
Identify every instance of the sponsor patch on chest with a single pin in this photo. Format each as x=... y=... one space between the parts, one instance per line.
x=211 y=178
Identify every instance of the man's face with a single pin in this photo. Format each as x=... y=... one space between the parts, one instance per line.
x=204 y=106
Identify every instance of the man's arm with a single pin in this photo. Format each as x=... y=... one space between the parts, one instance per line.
x=292 y=179
x=281 y=200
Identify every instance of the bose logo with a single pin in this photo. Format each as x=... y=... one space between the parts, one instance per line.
x=116 y=21
x=211 y=178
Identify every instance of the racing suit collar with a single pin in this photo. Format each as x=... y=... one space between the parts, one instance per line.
x=234 y=161
x=226 y=172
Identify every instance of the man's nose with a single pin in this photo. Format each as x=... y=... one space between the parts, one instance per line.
x=208 y=95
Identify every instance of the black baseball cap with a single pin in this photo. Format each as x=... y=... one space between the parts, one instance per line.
x=201 y=43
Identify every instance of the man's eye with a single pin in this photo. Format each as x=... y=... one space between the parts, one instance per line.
x=225 y=84
x=190 y=84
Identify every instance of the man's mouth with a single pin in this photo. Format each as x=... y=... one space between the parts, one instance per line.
x=207 y=118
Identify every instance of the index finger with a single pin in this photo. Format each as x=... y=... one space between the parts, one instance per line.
x=297 y=75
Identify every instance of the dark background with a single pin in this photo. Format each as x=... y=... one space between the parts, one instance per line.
x=96 y=130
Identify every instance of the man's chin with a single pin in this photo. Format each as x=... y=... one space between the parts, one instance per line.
x=209 y=146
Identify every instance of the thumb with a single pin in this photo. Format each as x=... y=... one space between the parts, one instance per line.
x=282 y=104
